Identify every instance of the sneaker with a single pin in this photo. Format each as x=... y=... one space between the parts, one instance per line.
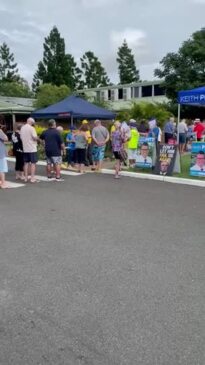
x=117 y=177
x=59 y=179
x=50 y=178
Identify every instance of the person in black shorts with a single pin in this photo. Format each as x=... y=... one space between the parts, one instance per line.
x=81 y=141
x=18 y=153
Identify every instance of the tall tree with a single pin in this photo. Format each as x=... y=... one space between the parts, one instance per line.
x=8 y=68
x=57 y=67
x=186 y=68
x=126 y=65
x=93 y=72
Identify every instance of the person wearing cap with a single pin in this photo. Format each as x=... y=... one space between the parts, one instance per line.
x=29 y=140
x=54 y=147
x=133 y=143
x=199 y=129
x=88 y=158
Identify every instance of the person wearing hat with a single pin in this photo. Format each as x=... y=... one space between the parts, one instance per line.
x=199 y=129
x=88 y=158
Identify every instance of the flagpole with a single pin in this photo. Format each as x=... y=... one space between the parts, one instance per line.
x=178 y=121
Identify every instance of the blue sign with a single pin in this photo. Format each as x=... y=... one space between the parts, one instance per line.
x=198 y=159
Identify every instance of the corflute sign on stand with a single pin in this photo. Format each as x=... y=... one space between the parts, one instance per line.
x=197 y=159
x=146 y=154
x=166 y=159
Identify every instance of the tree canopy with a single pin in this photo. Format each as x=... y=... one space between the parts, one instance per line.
x=49 y=94
x=186 y=68
x=57 y=67
x=94 y=73
x=128 y=72
x=8 y=67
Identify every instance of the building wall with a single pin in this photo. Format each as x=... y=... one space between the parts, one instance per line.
x=120 y=96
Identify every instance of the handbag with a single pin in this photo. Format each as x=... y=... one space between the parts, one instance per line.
x=123 y=155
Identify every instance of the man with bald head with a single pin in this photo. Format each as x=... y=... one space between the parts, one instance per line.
x=29 y=139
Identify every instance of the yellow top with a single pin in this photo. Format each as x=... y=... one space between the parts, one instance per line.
x=134 y=139
x=88 y=134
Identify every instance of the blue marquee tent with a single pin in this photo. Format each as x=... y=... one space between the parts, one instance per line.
x=74 y=107
x=192 y=97
x=195 y=97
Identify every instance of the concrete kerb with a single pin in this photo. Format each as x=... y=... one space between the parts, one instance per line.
x=137 y=175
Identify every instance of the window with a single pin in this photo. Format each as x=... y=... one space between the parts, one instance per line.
x=146 y=91
x=112 y=95
x=102 y=95
x=109 y=94
x=124 y=94
x=98 y=95
x=136 y=92
x=158 y=90
x=120 y=94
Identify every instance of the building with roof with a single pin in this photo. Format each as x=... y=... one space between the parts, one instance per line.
x=14 y=110
x=121 y=96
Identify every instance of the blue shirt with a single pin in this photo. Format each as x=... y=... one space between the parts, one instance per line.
x=169 y=128
x=70 y=137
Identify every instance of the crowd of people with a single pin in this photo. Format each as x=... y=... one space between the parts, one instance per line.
x=85 y=146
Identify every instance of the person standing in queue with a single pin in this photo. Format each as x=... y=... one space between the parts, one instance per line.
x=100 y=136
x=3 y=161
x=81 y=141
x=88 y=157
x=18 y=152
x=29 y=139
x=54 y=148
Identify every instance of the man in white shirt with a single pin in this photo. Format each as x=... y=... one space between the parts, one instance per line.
x=143 y=159
x=29 y=139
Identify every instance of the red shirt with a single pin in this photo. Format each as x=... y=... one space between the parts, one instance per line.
x=199 y=129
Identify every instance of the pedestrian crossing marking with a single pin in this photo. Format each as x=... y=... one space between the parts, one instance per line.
x=14 y=185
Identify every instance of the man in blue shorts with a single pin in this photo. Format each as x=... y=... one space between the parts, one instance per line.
x=100 y=136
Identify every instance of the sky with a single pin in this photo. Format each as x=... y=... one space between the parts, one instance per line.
x=152 y=28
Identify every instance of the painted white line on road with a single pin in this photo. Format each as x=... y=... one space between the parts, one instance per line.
x=13 y=185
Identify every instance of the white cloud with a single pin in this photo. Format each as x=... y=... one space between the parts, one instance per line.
x=202 y=2
x=26 y=72
x=36 y=26
x=135 y=38
x=147 y=71
x=4 y=9
x=17 y=36
x=99 y=3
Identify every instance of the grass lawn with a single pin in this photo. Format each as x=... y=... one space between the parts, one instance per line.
x=185 y=166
